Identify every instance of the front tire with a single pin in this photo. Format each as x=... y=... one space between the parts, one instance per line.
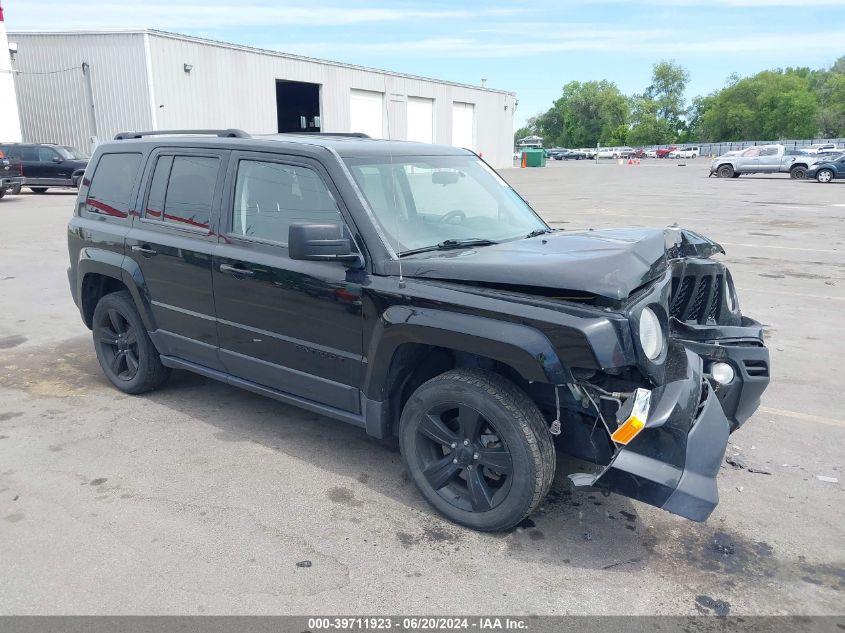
x=824 y=175
x=478 y=449
x=725 y=171
x=126 y=354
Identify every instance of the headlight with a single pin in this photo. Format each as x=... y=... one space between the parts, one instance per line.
x=651 y=334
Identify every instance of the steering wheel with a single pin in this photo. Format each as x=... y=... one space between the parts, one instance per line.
x=455 y=213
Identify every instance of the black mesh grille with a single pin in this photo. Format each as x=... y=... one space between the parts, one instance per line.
x=699 y=305
x=682 y=297
x=697 y=298
x=716 y=302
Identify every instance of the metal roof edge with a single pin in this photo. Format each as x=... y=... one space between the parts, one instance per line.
x=261 y=51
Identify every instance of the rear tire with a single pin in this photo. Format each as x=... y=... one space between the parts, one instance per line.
x=38 y=189
x=798 y=173
x=824 y=175
x=478 y=449
x=126 y=354
x=725 y=171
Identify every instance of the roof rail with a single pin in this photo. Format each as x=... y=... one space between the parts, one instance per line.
x=343 y=134
x=230 y=133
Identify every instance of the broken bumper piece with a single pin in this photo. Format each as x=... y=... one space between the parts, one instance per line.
x=673 y=462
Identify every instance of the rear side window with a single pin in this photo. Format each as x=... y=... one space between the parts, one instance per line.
x=112 y=185
x=182 y=190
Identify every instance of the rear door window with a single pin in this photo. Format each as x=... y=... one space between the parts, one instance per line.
x=29 y=153
x=182 y=191
x=112 y=185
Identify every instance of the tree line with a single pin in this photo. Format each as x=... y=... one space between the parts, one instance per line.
x=791 y=103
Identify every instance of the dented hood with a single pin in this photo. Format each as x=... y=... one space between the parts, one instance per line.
x=611 y=263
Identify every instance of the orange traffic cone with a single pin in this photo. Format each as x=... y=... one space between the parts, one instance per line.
x=524 y=162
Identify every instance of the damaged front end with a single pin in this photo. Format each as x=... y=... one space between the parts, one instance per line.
x=705 y=383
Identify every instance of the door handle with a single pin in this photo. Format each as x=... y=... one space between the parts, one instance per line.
x=144 y=250
x=237 y=271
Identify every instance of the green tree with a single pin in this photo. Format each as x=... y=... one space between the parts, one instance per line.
x=658 y=115
x=586 y=114
x=770 y=105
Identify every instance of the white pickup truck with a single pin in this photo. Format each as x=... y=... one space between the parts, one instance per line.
x=763 y=159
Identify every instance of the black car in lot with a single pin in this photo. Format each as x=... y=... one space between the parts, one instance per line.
x=47 y=165
x=406 y=289
x=569 y=154
x=828 y=170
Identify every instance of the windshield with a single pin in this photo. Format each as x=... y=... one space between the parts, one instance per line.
x=70 y=153
x=422 y=201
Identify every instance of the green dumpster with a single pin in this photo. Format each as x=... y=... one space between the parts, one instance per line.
x=534 y=158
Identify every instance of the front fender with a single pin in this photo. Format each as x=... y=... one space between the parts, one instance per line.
x=525 y=349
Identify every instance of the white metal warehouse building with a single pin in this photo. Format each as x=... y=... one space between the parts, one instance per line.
x=153 y=80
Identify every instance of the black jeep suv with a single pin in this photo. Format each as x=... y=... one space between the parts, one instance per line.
x=408 y=290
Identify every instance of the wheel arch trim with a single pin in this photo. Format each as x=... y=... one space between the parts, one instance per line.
x=119 y=267
x=525 y=349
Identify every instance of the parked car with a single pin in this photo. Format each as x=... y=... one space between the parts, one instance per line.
x=691 y=151
x=614 y=152
x=638 y=153
x=46 y=165
x=569 y=154
x=626 y=348
x=10 y=176
x=763 y=159
x=819 y=148
x=651 y=153
x=828 y=169
x=664 y=152
x=589 y=152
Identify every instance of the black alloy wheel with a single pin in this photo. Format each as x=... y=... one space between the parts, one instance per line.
x=463 y=457
x=118 y=344
x=478 y=448
x=127 y=355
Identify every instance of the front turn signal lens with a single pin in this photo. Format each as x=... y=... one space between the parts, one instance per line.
x=636 y=420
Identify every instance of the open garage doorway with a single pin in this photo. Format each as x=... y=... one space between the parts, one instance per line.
x=298 y=106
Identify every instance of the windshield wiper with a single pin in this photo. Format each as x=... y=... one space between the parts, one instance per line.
x=446 y=245
x=537 y=232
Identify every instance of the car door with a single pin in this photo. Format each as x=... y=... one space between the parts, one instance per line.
x=293 y=326
x=770 y=159
x=172 y=243
x=30 y=164
x=52 y=169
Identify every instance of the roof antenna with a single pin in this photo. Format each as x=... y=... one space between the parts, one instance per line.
x=393 y=182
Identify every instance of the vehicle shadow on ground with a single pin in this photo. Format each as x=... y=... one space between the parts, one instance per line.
x=573 y=527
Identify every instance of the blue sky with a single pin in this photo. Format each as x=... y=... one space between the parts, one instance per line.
x=530 y=47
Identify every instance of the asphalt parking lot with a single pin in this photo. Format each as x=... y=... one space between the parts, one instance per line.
x=201 y=498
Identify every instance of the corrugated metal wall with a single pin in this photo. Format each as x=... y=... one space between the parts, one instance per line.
x=231 y=86
x=139 y=82
x=51 y=91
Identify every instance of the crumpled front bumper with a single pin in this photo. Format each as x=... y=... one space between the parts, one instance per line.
x=740 y=346
x=673 y=462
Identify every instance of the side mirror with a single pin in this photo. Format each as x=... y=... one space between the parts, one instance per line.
x=319 y=242
x=57 y=159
